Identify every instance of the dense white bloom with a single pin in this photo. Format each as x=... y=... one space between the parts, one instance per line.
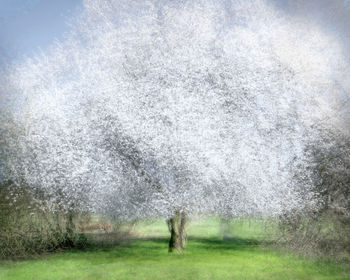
x=153 y=106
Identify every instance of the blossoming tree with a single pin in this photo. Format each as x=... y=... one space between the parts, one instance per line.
x=177 y=108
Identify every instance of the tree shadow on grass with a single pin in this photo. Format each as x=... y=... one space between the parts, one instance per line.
x=193 y=241
x=154 y=248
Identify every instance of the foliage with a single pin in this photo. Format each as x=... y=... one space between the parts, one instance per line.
x=323 y=233
x=28 y=228
x=323 y=229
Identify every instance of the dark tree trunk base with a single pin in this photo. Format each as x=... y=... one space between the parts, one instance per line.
x=177 y=228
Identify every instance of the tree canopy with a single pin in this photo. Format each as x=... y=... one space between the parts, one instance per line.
x=152 y=107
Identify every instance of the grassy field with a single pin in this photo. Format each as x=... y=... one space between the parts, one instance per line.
x=239 y=255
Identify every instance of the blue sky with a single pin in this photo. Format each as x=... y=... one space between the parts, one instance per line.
x=29 y=25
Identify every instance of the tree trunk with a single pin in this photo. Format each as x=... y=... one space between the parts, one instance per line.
x=177 y=227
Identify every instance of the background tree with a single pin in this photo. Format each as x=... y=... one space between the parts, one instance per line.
x=322 y=228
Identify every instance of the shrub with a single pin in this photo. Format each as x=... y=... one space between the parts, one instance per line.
x=28 y=228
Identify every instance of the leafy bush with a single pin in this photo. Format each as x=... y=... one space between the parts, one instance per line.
x=320 y=233
x=28 y=228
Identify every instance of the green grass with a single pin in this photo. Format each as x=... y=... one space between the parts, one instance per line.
x=208 y=256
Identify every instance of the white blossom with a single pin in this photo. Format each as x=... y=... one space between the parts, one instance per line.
x=206 y=106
